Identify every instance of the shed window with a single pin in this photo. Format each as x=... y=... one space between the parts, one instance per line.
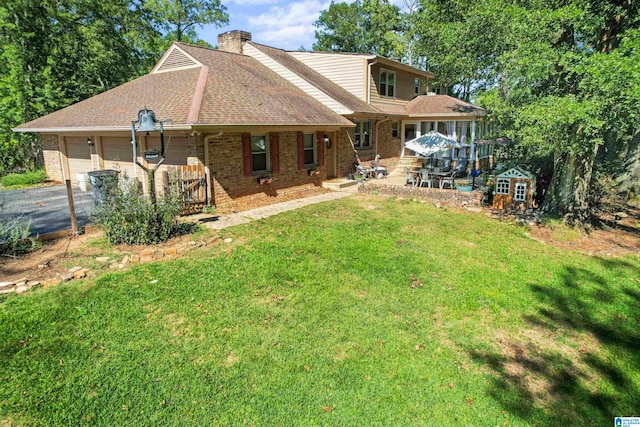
x=520 y=193
x=502 y=186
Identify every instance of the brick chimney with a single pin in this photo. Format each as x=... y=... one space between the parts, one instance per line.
x=232 y=41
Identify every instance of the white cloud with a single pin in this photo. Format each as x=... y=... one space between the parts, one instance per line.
x=288 y=27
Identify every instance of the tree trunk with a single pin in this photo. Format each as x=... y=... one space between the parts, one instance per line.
x=568 y=193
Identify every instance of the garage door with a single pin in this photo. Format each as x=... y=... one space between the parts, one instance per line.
x=118 y=154
x=175 y=155
x=78 y=155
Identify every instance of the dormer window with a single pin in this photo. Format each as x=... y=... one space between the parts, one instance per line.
x=387 y=83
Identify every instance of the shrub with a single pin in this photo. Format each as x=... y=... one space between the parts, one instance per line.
x=127 y=216
x=21 y=179
x=14 y=236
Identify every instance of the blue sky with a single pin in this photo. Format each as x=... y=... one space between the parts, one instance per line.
x=279 y=23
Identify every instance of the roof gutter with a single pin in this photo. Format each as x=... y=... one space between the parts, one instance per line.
x=89 y=129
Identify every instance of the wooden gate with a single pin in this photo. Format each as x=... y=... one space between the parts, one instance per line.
x=192 y=185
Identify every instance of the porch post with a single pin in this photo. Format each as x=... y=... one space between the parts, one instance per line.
x=472 y=151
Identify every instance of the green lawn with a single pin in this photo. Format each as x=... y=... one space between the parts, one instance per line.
x=366 y=311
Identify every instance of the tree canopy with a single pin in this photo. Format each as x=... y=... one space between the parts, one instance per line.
x=57 y=52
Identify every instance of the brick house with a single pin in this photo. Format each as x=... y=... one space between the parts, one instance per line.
x=251 y=114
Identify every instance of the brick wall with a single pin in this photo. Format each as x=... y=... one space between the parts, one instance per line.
x=234 y=191
x=51 y=155
x=447 y=197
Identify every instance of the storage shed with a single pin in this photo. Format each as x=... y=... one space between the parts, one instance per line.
x=514 y=189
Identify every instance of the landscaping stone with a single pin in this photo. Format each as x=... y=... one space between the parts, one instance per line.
x=620 y=215
x=20 y=283
x=7 y=290
x=74 y=269
x=135 y=259
x=228 y=240
x=52 y=282
x=80 y=274
x=146 y=255
x=5 y=285
x=66 y=277
x=114 y=265
x=21 y=289
x=171 y=252
x=103 y=259
x=126 y=260
x=34 y=284
x=42 y=266
x=157 y=254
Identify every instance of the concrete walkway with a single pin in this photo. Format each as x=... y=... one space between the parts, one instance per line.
x=224 y=221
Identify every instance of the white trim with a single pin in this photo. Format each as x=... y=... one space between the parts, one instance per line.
x=386 y=83
x=91 y=129
x=167 y=54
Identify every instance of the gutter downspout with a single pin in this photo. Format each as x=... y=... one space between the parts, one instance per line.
x=207 y=169
x=371 y=64
x=377 y=123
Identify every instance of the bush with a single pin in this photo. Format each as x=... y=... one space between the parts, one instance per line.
x=128 y=217
x=21 y=179
x=14 y=236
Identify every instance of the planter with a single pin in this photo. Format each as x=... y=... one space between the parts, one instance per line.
x=464 y=188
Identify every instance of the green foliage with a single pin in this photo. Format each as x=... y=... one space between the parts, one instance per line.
x=368 y=26
x=14 y=236
x=127 y=216
x=359 y=312
x=27 y=178
x=178 y=18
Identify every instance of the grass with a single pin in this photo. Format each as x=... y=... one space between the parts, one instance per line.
x=366 y=311
x=17 y=180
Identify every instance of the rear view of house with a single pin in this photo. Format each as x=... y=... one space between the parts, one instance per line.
x=257 y=120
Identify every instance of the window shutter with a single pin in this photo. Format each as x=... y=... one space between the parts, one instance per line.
x=300 y=151
x=320 y=145
x=275 y=153
x=246 y=154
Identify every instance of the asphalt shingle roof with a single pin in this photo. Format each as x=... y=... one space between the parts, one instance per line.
x=239 y=90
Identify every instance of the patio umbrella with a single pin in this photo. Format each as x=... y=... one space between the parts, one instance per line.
x=431 y=143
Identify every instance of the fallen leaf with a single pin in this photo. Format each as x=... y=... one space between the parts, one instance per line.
x=327 y=408
x=469 y=401
x=307 y=367
x=451 y=385
x=419 y=347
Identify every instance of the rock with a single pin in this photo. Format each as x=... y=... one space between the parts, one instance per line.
x=126 y=260
x=34 y=284
x=473 y=209
x=41 y=266
x=74 y=269
x=113 y=265
x=80 y=274
x=146 y=255
x=158 y=254
x=66 y=277
x=7 y=290
x=135 y=259
x=228 y=240
x=20 y=280
x=170 y=252
x=20 y=283
x=214 y=239
x=620 y=215
x=5 y=285
x=21 y=289
x=103 y=259
x=191 y=243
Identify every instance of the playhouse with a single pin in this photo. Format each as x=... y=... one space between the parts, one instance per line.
x=515 y=189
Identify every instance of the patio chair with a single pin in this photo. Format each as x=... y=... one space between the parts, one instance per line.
x=461 y=168
x=409 y=179
x=448 y=180
x=425 y=179
x=378 y=171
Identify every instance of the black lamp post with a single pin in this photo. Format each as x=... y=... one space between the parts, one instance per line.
x=147 y=122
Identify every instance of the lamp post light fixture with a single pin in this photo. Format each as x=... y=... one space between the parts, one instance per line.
x=147 y=122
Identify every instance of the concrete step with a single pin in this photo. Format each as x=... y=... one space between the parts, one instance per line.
x=338 y=184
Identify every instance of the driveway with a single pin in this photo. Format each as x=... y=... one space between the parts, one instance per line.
x=47 y=207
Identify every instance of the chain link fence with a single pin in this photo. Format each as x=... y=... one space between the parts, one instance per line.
x=46 y=207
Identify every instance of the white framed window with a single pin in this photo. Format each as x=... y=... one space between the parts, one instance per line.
x=387 y=83
x=310 y=149
x=520 y=192
x=395 y=132
x=503 y=186
x=363 y=131
x=259 y=153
